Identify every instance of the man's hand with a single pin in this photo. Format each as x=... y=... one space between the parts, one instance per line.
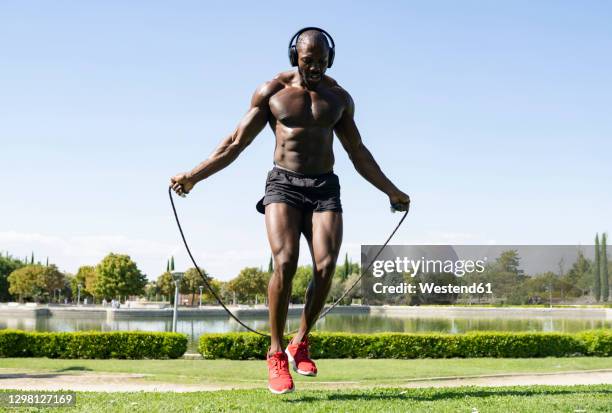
x=399 y=201
x=181 y=184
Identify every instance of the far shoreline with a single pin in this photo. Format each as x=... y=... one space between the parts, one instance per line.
x=258 y=311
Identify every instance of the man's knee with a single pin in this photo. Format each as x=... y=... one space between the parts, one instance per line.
x=325 y=267
x=285 y=265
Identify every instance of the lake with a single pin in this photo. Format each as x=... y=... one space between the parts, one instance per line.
x=356 y=323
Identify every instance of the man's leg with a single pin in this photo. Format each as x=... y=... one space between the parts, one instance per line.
x=324 y=235
x=283 y=224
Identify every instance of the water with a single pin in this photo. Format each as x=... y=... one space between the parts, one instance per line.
x=361 y=323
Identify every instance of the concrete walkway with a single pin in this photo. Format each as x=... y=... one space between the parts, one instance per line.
x=104 y=382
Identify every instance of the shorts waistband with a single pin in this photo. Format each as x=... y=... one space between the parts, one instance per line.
x=301 y=175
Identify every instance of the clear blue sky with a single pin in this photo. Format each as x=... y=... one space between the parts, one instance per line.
x=495 y=118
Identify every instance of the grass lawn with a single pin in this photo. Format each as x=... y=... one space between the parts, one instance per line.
x=365 y=372
x=462 y=399
x=377 y=381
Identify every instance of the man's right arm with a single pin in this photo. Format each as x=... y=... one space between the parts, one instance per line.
x=228 y=150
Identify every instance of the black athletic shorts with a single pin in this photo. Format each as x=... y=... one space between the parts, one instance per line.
x=307 y=192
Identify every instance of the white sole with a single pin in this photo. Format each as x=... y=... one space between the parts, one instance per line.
x=281 y=391
x=294 y=366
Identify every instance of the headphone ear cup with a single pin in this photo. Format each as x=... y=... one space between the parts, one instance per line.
x=293 y=56
x=330 y=57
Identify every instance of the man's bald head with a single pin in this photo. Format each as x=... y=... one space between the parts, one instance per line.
x=312 y=38
x=312 y=57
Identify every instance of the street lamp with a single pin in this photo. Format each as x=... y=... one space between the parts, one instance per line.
x=177 y=277
x=201 y=288
x=79 y=294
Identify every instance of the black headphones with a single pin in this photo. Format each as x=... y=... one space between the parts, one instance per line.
x=293 y=55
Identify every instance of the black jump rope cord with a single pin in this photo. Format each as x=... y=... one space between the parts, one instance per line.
x=212 y=291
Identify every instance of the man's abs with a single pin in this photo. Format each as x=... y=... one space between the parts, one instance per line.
x=305 y=150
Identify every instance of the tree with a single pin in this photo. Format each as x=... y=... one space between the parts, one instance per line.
x=509 y=261
x=25 y=283
x=605 y=285
x=67 y=288
x=337 y=288
x=347 y=267
x=35 y=281
x=118 y=276
x=270 y=265
x=540 y=288
x=249 y=284
x=86 y=276
x=344 y=272
x=52 y=279
x=165 y=284
x=505 y=275
x=580 y=275
x=224 y=291
x=301 y=280
x=8 y=264
x=151 y=291
x=218 y=286
x=191 y=282
x=355 y=292
x=596 y=271
x=172 y=263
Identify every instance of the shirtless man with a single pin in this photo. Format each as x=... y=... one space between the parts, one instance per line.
x=304 y=108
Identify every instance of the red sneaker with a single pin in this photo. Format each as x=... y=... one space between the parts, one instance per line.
x=299 y=357
x=279 y=378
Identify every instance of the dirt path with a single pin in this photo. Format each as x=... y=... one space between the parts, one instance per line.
x=499 y=380
x=99 y=382
x=104 y=382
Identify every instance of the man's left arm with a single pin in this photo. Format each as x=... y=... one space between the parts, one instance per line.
x=362 y=159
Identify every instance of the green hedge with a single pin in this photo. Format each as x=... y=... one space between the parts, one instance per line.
x=93 y=345
x=241 y=346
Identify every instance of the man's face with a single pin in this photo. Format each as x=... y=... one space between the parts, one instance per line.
x=312 y=62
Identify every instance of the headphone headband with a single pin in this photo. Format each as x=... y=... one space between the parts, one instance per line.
x=293 y=47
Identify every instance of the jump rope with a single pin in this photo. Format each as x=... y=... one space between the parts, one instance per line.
x=322 y=315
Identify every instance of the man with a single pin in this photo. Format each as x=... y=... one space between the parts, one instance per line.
x=304 y=108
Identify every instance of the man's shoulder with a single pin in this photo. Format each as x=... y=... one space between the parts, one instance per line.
x=286 y=78
x=269 y=88
x=335 y=87
x=330 y=82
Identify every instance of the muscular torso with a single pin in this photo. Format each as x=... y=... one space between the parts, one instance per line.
x=303 y=122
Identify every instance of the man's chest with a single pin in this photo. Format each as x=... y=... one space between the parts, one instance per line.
x=295 y=107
